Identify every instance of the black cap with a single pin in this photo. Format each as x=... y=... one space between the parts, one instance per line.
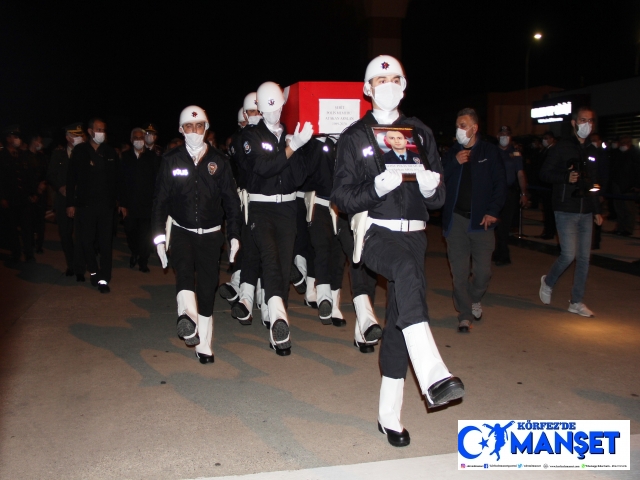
x=74 y=128
x=505 y=129
x=151 y=128
x=11 y=130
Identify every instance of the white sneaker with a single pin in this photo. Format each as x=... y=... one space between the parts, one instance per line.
x=476 y=310
x=581 y=309
x=545 y=291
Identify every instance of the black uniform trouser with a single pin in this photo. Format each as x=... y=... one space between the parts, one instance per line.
x=504 y=226
x=329 y=256
x=138 y=232
x=399 y=257
x=192 y=256
x=20 y=223
x=96 y=222
x=250 y=263
x=363 y=280
x=303 y=246
x=39 y=212
x=65 y=230
x=273 y=227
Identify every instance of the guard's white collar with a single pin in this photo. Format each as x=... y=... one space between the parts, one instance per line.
x=386 y=118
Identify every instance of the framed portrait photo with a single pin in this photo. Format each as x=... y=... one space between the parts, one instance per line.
x=397 y=147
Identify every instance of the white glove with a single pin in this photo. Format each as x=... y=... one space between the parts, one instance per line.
x=387 y=181
x=162 y=253
x=301 y=137
x=235 y=246
x=428 y=182
x=287 y=138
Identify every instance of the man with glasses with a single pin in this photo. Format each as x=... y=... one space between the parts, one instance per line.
x=571 y=168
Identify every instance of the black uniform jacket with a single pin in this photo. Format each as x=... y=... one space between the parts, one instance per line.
x=321 y=162
x=138 y=181
x=196 y=196
x=555 y=170
x=237 y=160
x=269 y=171
x=101 y=165
x=353 y=184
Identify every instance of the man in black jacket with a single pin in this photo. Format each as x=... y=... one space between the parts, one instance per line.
x=92 y=188
x=476 y=191
x=275 y=171
x=395 y=243
x=194 y=191
x=57 y=178
x=571 y=168
x=139 y=167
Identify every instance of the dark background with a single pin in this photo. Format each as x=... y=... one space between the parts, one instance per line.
x=142 y=62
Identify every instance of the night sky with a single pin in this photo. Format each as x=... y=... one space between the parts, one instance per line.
x=144 y=62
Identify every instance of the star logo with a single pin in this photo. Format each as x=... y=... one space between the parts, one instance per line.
x=385 y=65
x=271 y=101
x=194 y=114
x=484 y=443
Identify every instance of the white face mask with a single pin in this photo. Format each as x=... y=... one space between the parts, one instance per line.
x=98 y=137
x=272 y=118
x=194 y=141
x=545 y=143
x=77 y=141
x=387 y=96
x=149 y=139
x=584 y=129
x=138 y=144
x=254 y=119
x=504 y=141
x=461 y=136
x=623 y=148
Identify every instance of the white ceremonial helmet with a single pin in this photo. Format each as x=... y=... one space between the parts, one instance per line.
x=194 y=114
x=270 y=97
x=381 y=66
x=250 y=102
x=241 y=115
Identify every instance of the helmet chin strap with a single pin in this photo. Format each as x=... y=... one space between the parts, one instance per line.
x=385 y=118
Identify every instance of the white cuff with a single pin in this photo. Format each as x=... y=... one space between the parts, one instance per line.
x=160 y=239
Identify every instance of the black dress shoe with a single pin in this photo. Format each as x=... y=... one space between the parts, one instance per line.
x=68 y=272
x=396 y=439
x=103 y=288
x=133 y=260
x=185 y=328
x=338 y=322
x=444 y=391
x=297 y=279
x=240 y=312
x=227 y=292
x=283 y=352
x=80 y=278
x=374 y=332
x=144 y=269
x=364 y=347
x=311 y=304
x=204 y=359
x=324 y=312
x=94 y=279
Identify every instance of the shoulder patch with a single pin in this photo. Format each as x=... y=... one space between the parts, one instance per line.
x=247 y=147
x=212 y=167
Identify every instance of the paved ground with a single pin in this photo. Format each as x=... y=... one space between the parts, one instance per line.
x=98 y=386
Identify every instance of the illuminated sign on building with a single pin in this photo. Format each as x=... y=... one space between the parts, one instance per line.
x=545 y=114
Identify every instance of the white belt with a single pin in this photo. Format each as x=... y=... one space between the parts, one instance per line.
x=257 y=197
x=401 y=225
x=322 y=201
x=199 y=231
x=300 y=194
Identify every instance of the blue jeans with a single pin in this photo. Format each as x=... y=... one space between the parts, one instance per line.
x=574 y=230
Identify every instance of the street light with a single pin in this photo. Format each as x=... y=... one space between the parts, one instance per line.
x=537 y=36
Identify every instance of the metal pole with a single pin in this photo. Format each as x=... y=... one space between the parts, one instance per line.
x=520 y=227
